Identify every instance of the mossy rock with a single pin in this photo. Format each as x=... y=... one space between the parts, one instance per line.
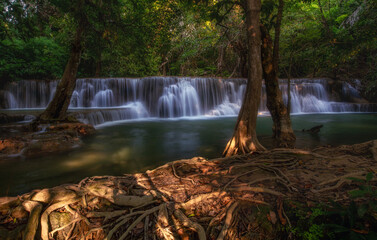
x=60 y=219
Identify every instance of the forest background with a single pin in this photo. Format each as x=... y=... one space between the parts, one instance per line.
x=320 y=38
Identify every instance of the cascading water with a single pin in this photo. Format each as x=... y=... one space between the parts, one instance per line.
x=102 y=100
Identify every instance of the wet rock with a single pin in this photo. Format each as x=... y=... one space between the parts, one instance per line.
x=48 y=138
x=79 y=128
x=4 y=118
x=11 y=146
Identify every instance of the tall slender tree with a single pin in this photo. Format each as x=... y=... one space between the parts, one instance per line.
x=282 y=128
x=84 y=14
x=244 y=139
x=57 y=108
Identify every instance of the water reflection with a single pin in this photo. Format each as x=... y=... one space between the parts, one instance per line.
x=137 y=146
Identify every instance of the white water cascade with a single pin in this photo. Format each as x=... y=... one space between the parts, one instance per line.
x=97 y=101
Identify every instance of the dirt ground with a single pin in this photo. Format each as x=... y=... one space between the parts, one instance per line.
x=241 y=197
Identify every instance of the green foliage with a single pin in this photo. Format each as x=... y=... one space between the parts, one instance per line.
x=345 y=52
x=309 y=225
x=37 y=58
x=201 y=37
x=335 y=221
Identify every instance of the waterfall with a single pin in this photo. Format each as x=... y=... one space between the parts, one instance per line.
x=97 y=100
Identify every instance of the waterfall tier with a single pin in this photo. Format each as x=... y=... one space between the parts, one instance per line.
x=169 y=97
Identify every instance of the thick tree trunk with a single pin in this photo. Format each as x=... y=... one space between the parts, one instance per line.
x=244 y=138
x=57 y=108
x=282 y=129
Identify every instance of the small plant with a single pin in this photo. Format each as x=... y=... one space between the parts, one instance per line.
x=359 y=219
x=355 y=221
x=309 y=224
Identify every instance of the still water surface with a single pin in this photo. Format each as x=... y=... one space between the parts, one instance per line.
x=137 y=146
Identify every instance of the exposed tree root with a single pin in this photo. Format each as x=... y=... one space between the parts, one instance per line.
x=188 y=194
x=139 y=219
x=228 y=221
x=257 y=189
x=189 y=224
x=374 y=150
x=176 y=175
x=35 y=210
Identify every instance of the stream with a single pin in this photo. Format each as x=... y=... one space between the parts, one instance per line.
x=132 y=146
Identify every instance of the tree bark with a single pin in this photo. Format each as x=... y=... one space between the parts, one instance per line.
x=282 y=129
x=244 y=139
x=57 y=108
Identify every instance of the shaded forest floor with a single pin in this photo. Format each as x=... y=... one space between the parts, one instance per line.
x=242 y=197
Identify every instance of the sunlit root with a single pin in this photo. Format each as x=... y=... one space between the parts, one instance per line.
x=163 y=217
x=124 y=219
x=35 y=209
x=190 y=224
x=239 y=145
x=117 y=197
x=57 y=194
x=201 y=198
x=228 y=221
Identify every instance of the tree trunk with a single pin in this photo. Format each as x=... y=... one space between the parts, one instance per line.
x=98 y=71
x=282 y=130
x=244 y=138
x=57 y=108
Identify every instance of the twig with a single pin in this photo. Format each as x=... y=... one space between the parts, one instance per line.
x=70 y=231
x=176 y=175
x=62 y=227
x=146 y=213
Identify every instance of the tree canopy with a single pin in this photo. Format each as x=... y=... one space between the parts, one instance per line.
x=331 y=38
